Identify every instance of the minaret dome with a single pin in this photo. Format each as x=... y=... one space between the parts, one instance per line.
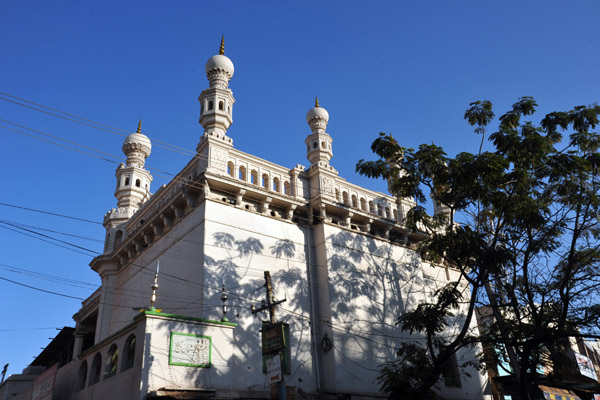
x=219 y=68
x=137 y=148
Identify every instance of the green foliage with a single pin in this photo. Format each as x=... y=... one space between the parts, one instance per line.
x=523 y=233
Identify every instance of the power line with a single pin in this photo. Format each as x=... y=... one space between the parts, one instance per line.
x=50 y=213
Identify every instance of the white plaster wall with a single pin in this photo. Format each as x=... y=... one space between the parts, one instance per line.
x=240 y=246
x=159 y=374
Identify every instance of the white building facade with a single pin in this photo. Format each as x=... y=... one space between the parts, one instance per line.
x=339 y=254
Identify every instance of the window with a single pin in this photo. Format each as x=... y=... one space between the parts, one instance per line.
x=337 y=194
x=230 y=169
x=354 y=201
x=387 y=213
x=112 y=358
x=363 y=204
x=96 y=369
x=81 y=376
x=345 y=197
x=138 y=183
x=242 y=173
x=380 y=210
x=371 y=207
x=254 y=177
x=128 y=353
x=276 y=186
x=265 y=181
x=210 y=105
x=451 y=373
x=286 y=188
x=127 y=181
x=221 y=106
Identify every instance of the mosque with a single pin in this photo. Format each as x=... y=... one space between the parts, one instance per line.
x=184 y=270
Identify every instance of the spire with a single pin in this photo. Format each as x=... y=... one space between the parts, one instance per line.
x=222 y=49
x=139 y=127
x=316 y=101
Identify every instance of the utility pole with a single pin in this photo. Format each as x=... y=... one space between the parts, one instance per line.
x=271 y=306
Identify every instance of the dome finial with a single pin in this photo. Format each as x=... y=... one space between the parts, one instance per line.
x=139 y=126
x=222 y=49
x=316 y=101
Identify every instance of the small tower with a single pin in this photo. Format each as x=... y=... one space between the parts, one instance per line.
x=318 y=144
x=133 y=186
x=322 y=176
x=216 y=112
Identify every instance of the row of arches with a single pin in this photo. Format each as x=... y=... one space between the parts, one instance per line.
x=99 y=370
x=210 y=105
x=127 y=182
x=374 y=208
x=265 y=181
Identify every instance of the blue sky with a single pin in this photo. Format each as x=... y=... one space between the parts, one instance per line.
x=406 y=68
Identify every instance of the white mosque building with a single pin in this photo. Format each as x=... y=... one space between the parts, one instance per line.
x=338 y=254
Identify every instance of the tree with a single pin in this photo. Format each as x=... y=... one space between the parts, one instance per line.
x=519 y=223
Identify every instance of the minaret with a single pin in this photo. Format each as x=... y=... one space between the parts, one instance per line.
x=216 y=113
x=133 y=186
x=319 y=152
x=318 y=145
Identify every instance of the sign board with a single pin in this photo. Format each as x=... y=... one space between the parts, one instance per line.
x=273 y=338
x=586 y=367
x=190 y=350
x=274 y=374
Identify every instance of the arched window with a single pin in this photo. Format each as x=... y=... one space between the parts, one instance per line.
x=276 y=186
x=230 y=169
x=371 y=207
x=112 y=358
x=337 y=194
x=380 y=210
x=286 y=188
x=315 y=145
x=387 y=213
x=363 y=204
x=210 y=105
x=265 y=181
x=128 y=353
x=242 y=173
x=221 y=106
x=354 y=201
x=395 y=215
x=127 y=181
x=345 y=197
x=138 y=183
x=118 y=237
x=254 y=177
x=81 y=376
x=95 y=370
x=323 y=144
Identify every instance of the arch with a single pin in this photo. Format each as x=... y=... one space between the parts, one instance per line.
x=221 y=106
x=371 y=207
x=315 y=145
x=118 y=237
x=354 y=201
x=387 y=213
x=127 y=181
x=112 y=360
x=286 y=188
x=337 y=194
x=265 y=181
x=242 y=173
x=345 y=197
x=230 y=169
x=254 y=177
x=395 y=215
x=138 y=183
x=229 y=110
x=95 y=369
x=81 y=376
x=323 y=144
x=380 y=210
x=276 y=185
x=363 y=204
x=128 y=353
x=210 y=105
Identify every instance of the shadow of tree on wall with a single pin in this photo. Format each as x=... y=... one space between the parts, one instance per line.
x=371 y=282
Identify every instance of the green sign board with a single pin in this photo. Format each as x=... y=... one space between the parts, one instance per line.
x=273 y=338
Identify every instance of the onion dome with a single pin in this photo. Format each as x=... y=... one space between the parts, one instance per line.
x=137 y=147
x=219 y=68
x=317 y=118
